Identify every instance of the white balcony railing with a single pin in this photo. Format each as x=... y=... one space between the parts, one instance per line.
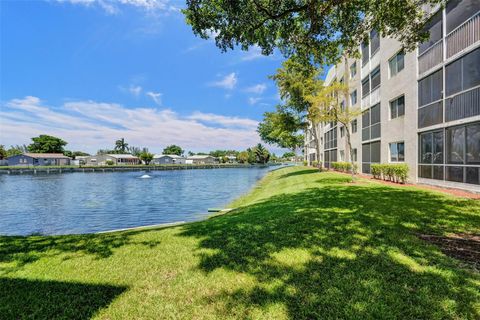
x=365 y=70
x=375 y=60
x=365 y=102
x=375 y=96
x=463 y=36
x=430 y=58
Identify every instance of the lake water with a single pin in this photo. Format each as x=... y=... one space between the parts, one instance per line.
x=92 y=202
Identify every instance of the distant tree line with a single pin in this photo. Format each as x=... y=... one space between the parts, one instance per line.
x=50 y=144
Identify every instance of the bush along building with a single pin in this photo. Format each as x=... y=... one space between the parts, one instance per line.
x=421 y=108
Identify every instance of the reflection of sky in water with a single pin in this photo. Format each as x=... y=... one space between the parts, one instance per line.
x=91 y=202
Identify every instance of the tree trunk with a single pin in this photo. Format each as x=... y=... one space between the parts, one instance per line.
x=317 y=142
x=348 y=149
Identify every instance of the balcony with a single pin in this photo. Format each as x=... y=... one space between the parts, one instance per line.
x=375 y=60
x=463 y=105
x=430 y=114
x=430 y=58
x=375 y=96
x=463 y=36
x=365 y=102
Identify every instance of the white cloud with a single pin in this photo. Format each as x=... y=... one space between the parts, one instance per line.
x=135 y=90
x=258 y=89
x=254 y=53
x=224 y=120
x=253 y=100
x=156 y=97
x=212 y=34
x=113 y=6
x=228 y=82
x=90 y=125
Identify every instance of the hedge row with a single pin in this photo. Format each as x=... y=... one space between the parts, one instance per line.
x=390 y=172
x=315 y=164
x=343 y=166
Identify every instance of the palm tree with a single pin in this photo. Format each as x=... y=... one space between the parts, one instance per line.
x=121 y=145
x=261 y=153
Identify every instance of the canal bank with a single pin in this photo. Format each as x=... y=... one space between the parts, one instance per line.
x=86 y=169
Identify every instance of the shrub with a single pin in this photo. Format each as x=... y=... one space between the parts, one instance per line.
x=390 y=172
x=305 y=163
x=376 y=170
x=314 y=163
x=109 y=162
x=343 y=166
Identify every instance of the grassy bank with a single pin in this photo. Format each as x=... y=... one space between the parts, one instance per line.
x=301 y=245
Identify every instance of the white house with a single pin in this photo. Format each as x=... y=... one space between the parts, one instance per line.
x=168 y=159
x=201 y=159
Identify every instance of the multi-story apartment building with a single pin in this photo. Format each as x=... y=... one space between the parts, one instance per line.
x=421 y=108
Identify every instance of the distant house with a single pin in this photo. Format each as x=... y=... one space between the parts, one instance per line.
x=39 y=159
x=201 y=159
x=232 y=159
x=116 y=159
x=79 y=160
x=168 y=159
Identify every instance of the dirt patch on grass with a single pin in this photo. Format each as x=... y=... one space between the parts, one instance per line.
x=461 y=246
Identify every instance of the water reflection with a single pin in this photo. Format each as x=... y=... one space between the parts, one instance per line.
x=92 y=202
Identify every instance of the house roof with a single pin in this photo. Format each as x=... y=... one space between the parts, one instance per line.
x=46 y=155
x=198 y=157
x=173 y=156
x=122 y=156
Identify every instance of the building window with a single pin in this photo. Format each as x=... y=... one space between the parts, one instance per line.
x=463 y=74
x=455 y=142
x=365 y=87
x=330 y=138
x=397 y=107
x=342 y=106
x=342 y=131
x=430 y=88
x=431 y=155
x=397 y=63
x=459 y=11
x=329 y=156
x=397 y=152
x=365 y=53
x=353 y=98
x=354 y=126
x=370 y=154
x=371 y=123
x=353 y=70
x=430 y=101
x=354 y=155
x=434 y=29
x=374 y=42
x=375 y=78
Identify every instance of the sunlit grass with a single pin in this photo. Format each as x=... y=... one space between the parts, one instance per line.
x=301 y=245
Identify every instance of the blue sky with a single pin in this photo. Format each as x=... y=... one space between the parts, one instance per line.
x=92 y=71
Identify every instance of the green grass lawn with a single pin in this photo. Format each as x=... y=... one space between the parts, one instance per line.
x=301 y=245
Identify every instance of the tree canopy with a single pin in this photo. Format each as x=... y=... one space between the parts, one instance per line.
x=282 y=128
x=121 y=145
x=3 y=152
x=315 y=30
x=47 y=144
x=146 y=156
x=261 y=153
x=173 y=149
x=16 y=150
x=74 y=154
